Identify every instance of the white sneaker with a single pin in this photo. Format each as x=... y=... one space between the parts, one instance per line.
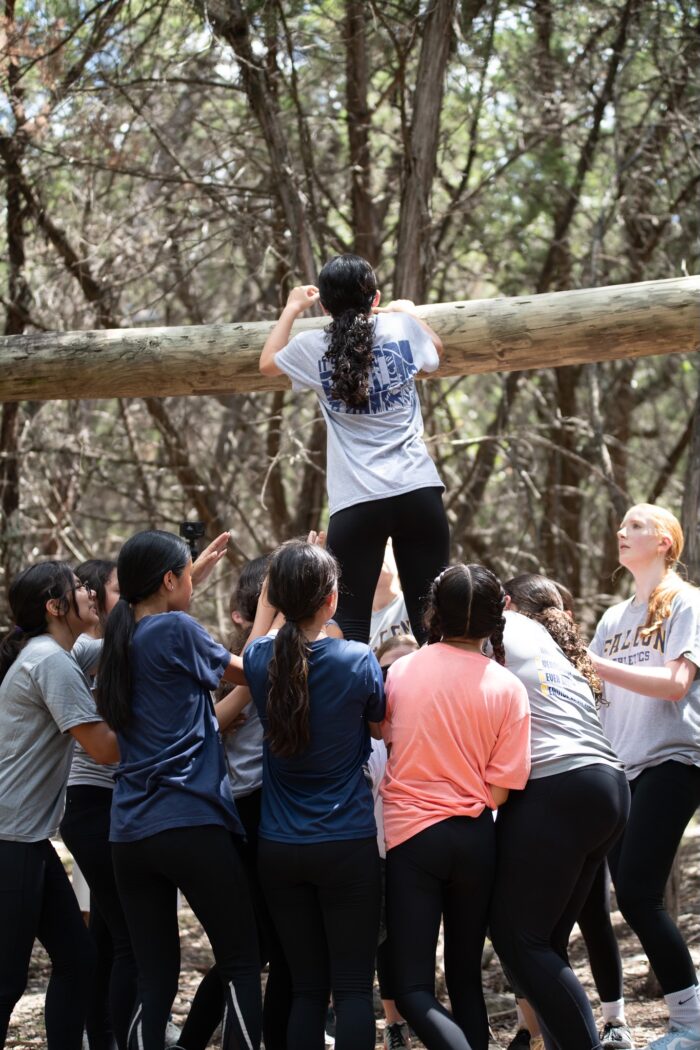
x=616 y=1036
x=172 y=1034
x=677 y=1038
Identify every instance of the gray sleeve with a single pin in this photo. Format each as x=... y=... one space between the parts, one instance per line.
x=425 y=355
x=298 y=360
x=65 y=691
x=596 y=645
x=683 y=631
x=87 y=652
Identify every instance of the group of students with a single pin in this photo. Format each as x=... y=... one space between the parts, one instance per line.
x=584 y=756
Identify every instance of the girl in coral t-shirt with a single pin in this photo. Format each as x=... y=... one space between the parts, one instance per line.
x=458 y=729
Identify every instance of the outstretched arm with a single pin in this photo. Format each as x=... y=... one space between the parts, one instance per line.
x=298 y=300
x=407 y=306
x=670 y=682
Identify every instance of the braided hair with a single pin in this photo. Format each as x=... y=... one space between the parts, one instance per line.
x=467 y=601
x=347 y=287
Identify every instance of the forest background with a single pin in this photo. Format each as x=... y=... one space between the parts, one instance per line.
x=173 y=162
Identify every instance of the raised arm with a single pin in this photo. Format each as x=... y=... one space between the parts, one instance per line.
x=298 y=300
x=406 y=306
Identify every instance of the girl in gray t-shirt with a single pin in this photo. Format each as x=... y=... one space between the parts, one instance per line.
x=381 y=480
x=647 y=651
x=554 y=835
x=45 y=703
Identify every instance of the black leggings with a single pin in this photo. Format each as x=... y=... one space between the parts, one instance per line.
x=445 y=872
x=85 y=831
x=664 y=799
x=552 y=838
x=203 y=862
x=324 y=899
x=357 y=536
x=36 y=900
x=601 y=944
x=208 y=1003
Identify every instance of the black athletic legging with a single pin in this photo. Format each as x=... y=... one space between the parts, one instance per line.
x=37 y=901
x=601 y=944
x=417 y=525
x=445 y=872
x=204 y=863
x=324 y=900
x=552 y=838
x=85 y=831
x=208 y=1003
x=664 y=799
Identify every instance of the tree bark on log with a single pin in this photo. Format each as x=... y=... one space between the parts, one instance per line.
x=488 y=335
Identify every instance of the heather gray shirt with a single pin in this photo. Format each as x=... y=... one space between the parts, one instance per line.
x=565 y=730
x=43 y=695
x=378 y=450
x=244 y=754
x=85 y=770
x=645 y=731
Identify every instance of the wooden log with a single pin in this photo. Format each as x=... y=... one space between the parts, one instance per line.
x=487 y=335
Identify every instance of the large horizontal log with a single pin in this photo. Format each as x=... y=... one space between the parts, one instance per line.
x=487 y=335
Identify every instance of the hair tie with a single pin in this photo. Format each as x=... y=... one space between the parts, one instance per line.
x=19 y=630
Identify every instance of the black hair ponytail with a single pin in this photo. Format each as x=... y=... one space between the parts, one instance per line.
x=347 y=287
x=29 y=592
x=467 y=601
x=143 y=562
x=301 y=577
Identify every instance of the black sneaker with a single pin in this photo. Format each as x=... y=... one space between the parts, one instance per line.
x=521 y=1039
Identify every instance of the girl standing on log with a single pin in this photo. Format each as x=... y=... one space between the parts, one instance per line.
x=45 y=703
x=458 y=733
x=554 y=835
x=317 y=846
x=647 y=651
x=173 y=818
x=381 y=481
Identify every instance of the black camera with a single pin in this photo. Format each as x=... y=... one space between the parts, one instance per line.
x=191 y=531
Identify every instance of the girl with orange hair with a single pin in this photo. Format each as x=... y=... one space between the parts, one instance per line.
x=647 y=651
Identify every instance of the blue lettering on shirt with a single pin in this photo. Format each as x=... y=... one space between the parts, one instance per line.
x=389 y=381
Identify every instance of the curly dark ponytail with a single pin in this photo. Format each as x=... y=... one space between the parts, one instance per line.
x=541 y=599
x=347 y=287
x=467 y=601
x=301 y=577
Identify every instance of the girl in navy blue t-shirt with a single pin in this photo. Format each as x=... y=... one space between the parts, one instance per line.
x=317 y=851
x=173 y=819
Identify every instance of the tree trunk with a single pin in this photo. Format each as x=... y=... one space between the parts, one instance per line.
x=490 y=335
x=413 y=252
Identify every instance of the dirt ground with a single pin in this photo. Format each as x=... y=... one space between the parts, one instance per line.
x=646 y=1016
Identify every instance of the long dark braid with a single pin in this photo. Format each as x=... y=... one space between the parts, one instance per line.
x=347 y=286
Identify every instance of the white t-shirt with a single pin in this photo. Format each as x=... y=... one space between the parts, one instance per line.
x=644 y=731
x=388 y=622
x=377 y=450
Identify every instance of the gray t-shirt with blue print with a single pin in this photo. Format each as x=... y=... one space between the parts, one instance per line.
x=377 y=450
x=646 y=732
